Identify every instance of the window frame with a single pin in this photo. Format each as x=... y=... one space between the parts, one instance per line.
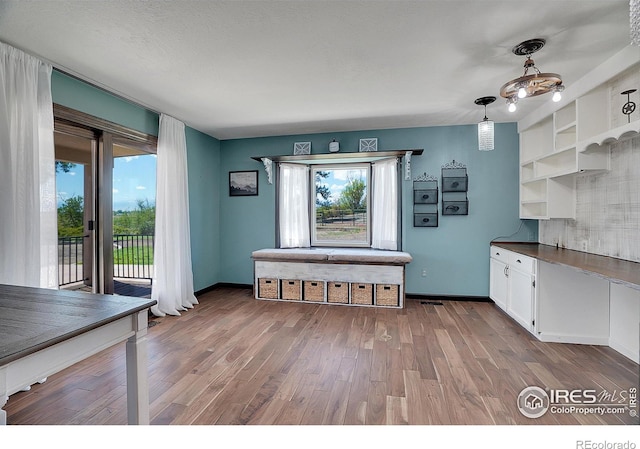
x=312 y=205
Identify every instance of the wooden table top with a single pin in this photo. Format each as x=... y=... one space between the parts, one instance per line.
x=32 y=319
x=616 y=270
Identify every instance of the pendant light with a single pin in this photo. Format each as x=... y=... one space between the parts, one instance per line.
x=485 y=127
x=533 y=82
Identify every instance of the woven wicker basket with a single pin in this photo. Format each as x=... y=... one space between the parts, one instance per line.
x=338 y=292
x=290 y=289
x=313 y=291
x=362 y=294
x=387 y=295
x=268 y=288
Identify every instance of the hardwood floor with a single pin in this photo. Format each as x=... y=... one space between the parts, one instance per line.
x=236 y=360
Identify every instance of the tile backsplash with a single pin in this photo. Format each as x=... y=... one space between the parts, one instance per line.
x=607 y=209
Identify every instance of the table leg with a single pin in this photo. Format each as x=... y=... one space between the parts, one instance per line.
x=137 y=372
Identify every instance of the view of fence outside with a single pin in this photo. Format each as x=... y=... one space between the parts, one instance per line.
x=132 y=258
x=341 y=225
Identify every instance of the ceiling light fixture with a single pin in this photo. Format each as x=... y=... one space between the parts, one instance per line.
x=485 y=127
x=534 y=84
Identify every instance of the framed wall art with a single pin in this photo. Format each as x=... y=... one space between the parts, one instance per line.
x=243 y=183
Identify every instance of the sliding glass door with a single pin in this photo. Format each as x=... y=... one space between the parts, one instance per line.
x=105 y=181
x=133 y=218
x=75 y=152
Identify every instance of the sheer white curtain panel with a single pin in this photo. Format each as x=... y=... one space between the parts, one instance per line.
x=28 y=214
x=173 y=274
x=384 y=224
x=294 y=206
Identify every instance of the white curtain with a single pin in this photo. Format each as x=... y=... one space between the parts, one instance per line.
x=28 y=214
x=384 y=223
x=294 y=206
x=173 y=274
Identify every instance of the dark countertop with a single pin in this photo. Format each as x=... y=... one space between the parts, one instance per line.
x=615 y=270
x=32 y=319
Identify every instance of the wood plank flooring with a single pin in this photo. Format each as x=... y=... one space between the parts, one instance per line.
x=236 y=360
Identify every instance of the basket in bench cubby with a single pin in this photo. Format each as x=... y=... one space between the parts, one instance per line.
x=290 y=289
x=387 y=295
x=313 y=291
x=338 y=292
x=268 y=288
x=362 y=294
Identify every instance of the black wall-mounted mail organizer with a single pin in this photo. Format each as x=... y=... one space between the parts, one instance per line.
x=455 y=184
x=425 y=192
x=425 y=202
x=455 y=204
x=425 y=220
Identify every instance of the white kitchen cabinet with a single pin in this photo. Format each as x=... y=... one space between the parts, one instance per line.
x=521 y=299
x=573 y=307
x=498 y=288
x=512 y=285
x=624 y=319
x=566 y=296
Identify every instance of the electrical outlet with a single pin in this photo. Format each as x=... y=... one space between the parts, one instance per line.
x=584 y=245
x=532 y=236
x=424 y=273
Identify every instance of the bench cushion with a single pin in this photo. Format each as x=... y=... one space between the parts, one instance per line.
x=337 y=255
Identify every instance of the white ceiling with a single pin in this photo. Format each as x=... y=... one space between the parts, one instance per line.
x=239 y=68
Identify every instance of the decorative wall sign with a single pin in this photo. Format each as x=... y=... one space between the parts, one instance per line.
x=302 y=148
x=629 y=106
x=407 y=165
x=369 y=144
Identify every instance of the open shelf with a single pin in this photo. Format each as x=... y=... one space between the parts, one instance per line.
x=575 y=139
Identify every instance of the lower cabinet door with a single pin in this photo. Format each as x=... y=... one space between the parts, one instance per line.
x=520 y=304
x=498 y=283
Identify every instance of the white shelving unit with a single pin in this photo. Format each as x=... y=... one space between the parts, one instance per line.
x=574 y=139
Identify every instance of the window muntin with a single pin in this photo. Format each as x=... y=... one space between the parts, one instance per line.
x=341 y=205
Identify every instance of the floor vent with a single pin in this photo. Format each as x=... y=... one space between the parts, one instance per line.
x=431 y=303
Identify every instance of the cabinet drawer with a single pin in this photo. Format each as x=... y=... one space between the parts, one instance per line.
x=522 y=263
x=500 y=254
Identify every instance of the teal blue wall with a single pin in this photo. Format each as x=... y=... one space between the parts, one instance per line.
x=455 y=255
x=203 y=160
x=203 y=157
x=83 y=97
x=225 y=230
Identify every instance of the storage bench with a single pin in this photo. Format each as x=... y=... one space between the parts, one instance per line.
x=356 y=277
